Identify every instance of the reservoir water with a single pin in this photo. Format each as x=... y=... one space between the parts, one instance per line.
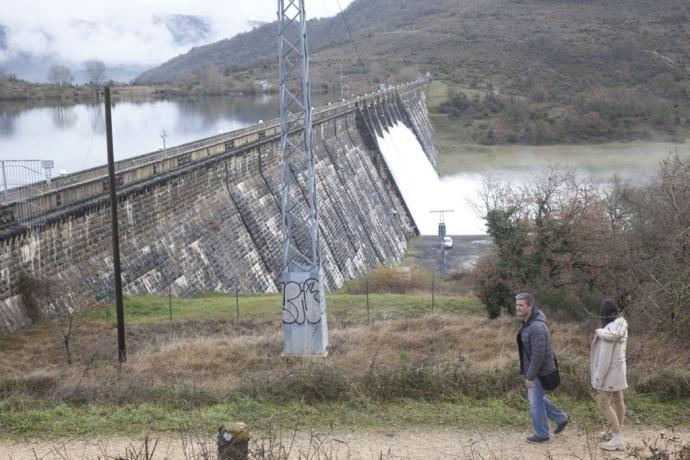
x=74 y=136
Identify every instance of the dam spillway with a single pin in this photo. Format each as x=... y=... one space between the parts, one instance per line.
x=205 y=216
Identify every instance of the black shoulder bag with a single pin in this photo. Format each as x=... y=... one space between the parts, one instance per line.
x=552 y=380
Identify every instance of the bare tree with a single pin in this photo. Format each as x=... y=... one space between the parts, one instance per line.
x=212 y=79
x=95 y=71
x=41 y=297
x=60 y=76
x=659 y=239
x=573 y=241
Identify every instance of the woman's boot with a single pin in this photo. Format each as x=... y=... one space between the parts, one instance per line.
x=615 y=443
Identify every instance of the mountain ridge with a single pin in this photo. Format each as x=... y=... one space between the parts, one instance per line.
x=500 y=36
x=545 y=71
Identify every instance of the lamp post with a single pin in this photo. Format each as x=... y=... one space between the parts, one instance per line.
x=442 y=235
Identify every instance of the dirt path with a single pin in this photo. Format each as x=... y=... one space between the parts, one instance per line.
x=441 y=443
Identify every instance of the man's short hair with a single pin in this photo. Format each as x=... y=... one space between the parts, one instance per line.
x=528 y=298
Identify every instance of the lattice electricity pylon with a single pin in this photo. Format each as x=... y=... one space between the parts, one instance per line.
x=305 y=330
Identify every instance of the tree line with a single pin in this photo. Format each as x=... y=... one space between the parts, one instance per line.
x=62 y=77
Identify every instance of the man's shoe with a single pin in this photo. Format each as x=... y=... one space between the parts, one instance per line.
x=534 y=439
x=561 y=426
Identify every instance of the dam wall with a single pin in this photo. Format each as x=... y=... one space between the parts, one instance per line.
x=205 y=216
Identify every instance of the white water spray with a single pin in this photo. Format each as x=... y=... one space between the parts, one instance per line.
x=422 y=189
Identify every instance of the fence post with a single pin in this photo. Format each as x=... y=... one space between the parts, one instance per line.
x=107 y=309
x=169 y=303
x=237 y=299
x=367 y=287
x=433 y=291
x=233 y=442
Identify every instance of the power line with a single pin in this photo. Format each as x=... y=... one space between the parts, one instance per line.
x=354 y=45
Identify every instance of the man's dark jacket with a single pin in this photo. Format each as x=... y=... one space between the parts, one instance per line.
x=534 y=346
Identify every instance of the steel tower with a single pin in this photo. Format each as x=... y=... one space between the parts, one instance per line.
x=305 y=330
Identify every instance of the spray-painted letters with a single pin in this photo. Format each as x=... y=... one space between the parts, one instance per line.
x=302 y=303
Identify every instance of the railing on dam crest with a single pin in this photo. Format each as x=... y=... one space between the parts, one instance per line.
x=61 y=192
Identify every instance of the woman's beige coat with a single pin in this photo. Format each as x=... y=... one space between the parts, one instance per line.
x=608 y=356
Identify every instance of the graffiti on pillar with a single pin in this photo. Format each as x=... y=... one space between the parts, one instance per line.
x=302 y=302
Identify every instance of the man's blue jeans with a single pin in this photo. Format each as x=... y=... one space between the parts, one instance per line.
x=543 y=410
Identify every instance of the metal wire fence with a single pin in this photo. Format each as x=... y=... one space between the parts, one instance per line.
x=19 y=179
x=381 y=294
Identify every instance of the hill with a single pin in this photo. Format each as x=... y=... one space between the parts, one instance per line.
x=623 y=65
x=517 y=42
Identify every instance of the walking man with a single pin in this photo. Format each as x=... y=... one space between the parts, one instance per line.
x=537 y=359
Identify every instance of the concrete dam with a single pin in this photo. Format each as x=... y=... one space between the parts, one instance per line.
x=205 y=216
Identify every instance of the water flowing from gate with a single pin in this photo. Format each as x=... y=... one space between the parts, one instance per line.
x=423 y=190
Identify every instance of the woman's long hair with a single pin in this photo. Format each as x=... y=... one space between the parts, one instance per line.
x=608 y=311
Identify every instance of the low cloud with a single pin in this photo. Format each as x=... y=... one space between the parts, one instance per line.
x=131 y=32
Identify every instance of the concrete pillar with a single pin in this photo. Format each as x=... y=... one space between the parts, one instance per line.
x=233 y=441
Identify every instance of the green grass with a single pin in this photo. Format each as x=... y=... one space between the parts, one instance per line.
x=439 y=91
x=341 y=307
x=34 y=420
x=436 y=94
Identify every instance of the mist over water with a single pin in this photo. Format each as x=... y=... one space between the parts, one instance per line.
x=424 y=191
x=73 y=136
x=635 y=163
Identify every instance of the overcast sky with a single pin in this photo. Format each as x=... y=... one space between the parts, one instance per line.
x=126 y=32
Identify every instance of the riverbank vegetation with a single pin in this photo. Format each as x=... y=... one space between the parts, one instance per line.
x=573 y=241
x=60 y=88
x=487 y=117
x=41 y=93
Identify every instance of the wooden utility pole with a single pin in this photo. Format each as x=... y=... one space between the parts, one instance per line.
x=121 y=347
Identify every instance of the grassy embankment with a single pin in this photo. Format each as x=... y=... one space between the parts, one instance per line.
x=409 y=367
x=459 y=152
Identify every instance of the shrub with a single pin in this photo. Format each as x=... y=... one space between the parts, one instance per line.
x=491 y=287
x=32 y=385
x=671 y=383
x=572 y=242
x=33 y=295
x=575 y=376
x=445 y=381
x=184 y=396
x=573 y=303
x=391 y=280
x=311 y=383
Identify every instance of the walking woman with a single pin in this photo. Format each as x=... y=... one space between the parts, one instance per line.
x=608 y=370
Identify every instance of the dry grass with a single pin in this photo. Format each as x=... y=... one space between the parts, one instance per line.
x=193 y=363
x=220 y=354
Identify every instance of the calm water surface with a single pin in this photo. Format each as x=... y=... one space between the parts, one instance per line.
x=74 y=136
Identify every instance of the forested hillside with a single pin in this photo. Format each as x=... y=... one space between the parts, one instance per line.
x=622 y=64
